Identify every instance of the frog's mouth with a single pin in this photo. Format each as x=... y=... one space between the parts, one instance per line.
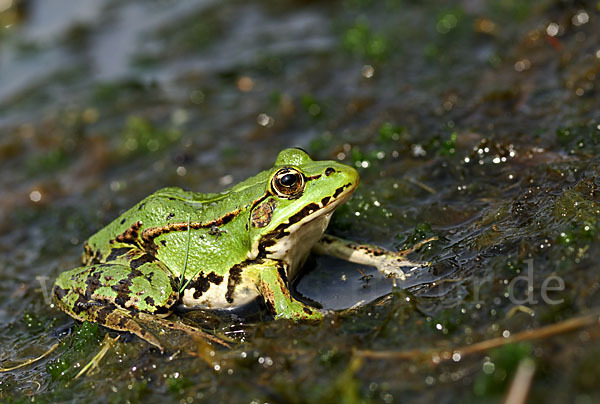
x=302 y=230
x=316 y=209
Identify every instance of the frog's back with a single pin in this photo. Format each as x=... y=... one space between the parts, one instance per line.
x=172 y=206
x=167 y=205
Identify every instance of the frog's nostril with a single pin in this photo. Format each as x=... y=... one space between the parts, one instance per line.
x=329 y=171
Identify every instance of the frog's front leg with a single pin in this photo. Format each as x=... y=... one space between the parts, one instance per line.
x=389 y=263
x=271 y=281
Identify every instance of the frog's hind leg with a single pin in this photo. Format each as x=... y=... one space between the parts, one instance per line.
x=111 y=317
x=129 y=297
x=114 y=294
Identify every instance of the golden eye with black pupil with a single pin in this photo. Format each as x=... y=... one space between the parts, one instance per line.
x=288 y=183
x=288 y=180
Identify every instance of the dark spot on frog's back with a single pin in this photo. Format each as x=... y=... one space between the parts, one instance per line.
x=116 y=253
x=123 y=220
x=329 y=171
x=123 y=292
x=130 y=235
x=144 y=259
x=135 y=273
x=93 y=282
x=170 y=216
x=149 y=301
x=122 y=286
x=226 y=218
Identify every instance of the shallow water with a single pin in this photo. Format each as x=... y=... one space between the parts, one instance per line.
x=477 y=123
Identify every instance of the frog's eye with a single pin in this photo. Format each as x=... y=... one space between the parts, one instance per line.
x=288 y=183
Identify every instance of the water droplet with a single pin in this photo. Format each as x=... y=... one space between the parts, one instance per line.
x=35 y=196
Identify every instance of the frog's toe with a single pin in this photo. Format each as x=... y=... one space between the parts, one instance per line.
x=301 y=313
x=312 y=314
x=398 y=267
x=394 y=273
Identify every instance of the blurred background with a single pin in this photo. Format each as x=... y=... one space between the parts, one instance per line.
x=474 y=121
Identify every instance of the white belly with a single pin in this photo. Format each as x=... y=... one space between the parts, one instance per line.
x=215 y=296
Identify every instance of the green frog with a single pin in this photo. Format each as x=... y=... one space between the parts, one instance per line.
x=178 y=248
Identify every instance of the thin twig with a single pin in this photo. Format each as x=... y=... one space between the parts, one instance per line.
x=445 y=354
x=422 y=185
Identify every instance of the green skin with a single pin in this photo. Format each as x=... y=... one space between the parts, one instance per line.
x=207 y=251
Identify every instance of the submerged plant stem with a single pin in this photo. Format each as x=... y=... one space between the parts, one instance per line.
x=30 y=361
x=107 y=344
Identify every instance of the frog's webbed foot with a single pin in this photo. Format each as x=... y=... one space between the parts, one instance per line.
x=392 y=268
x=389 y=263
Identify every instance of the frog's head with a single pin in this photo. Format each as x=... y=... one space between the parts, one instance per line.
x=300 y=197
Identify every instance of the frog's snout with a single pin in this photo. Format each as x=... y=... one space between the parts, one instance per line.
x=347 y=174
